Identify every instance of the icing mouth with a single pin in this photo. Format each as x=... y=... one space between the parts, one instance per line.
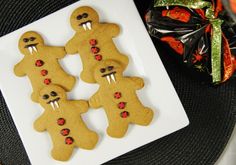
x=54 y=103
x=31 y=48
x=110 y=77
x=86 y=25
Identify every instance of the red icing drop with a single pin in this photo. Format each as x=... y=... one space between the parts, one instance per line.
x=65 y=132
x=95 y=50
x=47 y=81
x=44 y=72
x=39 y=63
x=117 y=95
x=69 y=140
x=124 y=114
x=61 y=121
x=121 y=105
x=93 y=42
x=98 y=57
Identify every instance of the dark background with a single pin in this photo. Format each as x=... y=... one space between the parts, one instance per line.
x=211 y=110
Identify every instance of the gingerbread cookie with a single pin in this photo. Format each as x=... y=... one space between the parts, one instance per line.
x=117 y=95
x=62 y=119
x=93 y=41
x=40 y=64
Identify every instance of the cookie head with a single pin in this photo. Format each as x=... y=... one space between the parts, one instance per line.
x=108 y=72
x=29 y=42
x=51 y=96
x=84 y=18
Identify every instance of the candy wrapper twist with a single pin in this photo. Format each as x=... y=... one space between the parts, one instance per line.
x=199 y=31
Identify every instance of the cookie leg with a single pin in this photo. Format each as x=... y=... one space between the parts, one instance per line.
x=70 y=83
x=62 y=152
x=87 y=140
x=117 y=128
x=87 y=76
x=144 y=117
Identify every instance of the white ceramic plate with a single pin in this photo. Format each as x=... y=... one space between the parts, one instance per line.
x=159 y=94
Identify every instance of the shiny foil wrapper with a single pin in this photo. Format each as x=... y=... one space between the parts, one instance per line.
x=230 y=6
x=200 y=32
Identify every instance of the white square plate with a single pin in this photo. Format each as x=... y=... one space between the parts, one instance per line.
x=159 y=94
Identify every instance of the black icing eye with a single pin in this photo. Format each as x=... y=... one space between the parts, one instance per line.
x=110 y=68
x=85 y=15
x=32 y=38
x=26 y=40
x=102 y=70
x=53 y=94
x=79 y=17
x=45 y=97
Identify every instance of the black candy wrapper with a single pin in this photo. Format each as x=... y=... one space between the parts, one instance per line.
x=230 y=6
x=200 y=32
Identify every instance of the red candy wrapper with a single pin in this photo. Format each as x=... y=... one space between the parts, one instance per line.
x=200 y=32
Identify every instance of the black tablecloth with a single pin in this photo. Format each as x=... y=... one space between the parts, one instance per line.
x=211 y=110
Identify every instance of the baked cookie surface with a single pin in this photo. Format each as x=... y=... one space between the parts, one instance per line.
x=62 y=119
x=93 y=41
x=40 y=63
x=117 y=95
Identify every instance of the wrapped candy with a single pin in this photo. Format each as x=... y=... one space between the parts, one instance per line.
x=199 y=31
x=230 y=6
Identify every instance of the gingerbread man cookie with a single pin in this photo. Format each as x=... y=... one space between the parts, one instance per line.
x=40 y=64
x=93 y=41
x=117 y=95
x=62 y=119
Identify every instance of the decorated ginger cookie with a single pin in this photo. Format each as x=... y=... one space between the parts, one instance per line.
x=62 y=119
x=93 y=41
x=40 y=64
x=117 y=95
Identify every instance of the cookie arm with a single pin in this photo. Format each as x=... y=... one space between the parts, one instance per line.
x=58 y=52
x=94 y=101
x=19 y=69
x=71 y=47
x=82 y=105
x=39 y=124
x=113 y=29
x=137 y=82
